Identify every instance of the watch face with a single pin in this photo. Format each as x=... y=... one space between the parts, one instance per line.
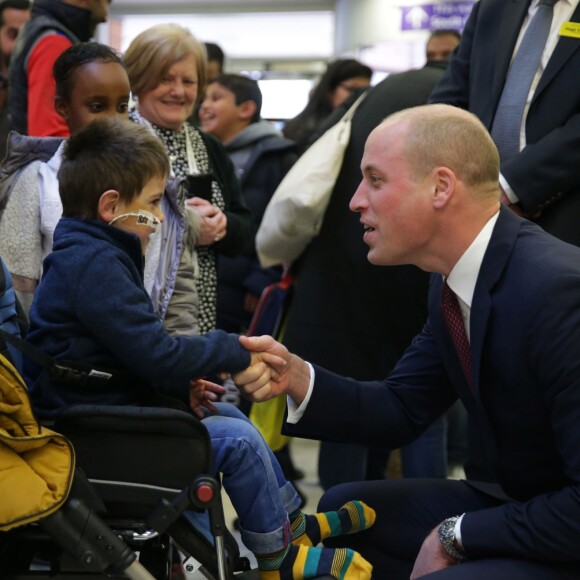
x=447 y=528
x=446 y=534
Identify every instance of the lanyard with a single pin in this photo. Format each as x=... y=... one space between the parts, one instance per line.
x=191 y=163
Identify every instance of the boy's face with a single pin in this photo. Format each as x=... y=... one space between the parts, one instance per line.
x=149 y=200
x=99 y=89
x=219 y=114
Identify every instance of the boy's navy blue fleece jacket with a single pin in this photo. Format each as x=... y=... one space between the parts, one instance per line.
x=91 y=307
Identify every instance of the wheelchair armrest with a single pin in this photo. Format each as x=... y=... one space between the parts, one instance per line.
x=137 y=446
x=132 y=418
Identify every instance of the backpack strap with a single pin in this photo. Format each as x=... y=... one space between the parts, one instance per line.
x=62 y=373
x=17 y=327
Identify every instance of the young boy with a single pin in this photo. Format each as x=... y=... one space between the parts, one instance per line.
x=231 y=112
x=92 y=310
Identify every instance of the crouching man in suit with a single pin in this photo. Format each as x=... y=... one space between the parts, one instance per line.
x=503 y=335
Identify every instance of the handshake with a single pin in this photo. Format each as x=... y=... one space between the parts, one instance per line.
x=270 y=370
x=273 y=371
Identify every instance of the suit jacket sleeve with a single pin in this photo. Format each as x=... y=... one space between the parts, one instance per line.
x=547 y=169
x=388 y=413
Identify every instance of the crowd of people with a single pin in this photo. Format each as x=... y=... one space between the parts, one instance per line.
x=442 y=282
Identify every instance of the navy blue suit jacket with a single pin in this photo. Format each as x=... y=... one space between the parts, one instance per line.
x=546 y=174
x=525 y=405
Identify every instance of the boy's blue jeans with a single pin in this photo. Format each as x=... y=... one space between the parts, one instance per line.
x=253 y=480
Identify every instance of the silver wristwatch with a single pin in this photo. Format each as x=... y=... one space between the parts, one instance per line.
x=446 y=533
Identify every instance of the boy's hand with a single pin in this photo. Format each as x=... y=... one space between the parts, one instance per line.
x=201 y=394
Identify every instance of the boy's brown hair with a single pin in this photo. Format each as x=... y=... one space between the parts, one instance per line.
x=108 y=153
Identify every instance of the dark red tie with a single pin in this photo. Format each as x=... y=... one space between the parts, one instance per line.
x=454 y=320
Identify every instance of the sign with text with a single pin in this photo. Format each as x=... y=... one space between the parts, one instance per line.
x=452 y=15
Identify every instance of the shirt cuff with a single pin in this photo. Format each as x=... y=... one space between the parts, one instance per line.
x=510 y=194
x=457 y=531
x=295 y=412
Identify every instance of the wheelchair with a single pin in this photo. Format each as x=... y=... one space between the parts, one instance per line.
x=141 y=470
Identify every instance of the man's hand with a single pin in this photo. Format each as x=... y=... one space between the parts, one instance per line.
x=432 y=557
x=289 y=374
x=201 y=394
x=262 y=380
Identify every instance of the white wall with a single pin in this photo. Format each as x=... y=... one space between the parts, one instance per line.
x=258 y=35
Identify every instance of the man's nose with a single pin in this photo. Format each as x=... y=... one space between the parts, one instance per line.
x=357 y=199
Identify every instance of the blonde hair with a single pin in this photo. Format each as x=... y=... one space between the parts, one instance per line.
x=153 y=52
x=442 y=135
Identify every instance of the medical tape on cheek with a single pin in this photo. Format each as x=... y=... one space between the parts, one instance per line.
x=144 y=218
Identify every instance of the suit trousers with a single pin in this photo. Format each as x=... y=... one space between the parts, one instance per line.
x=407 y=510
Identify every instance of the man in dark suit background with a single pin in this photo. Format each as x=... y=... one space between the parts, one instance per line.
x=543 y=179
x=350 y=317
x=503 y=334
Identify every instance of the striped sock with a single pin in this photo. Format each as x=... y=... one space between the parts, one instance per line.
x=304 y=562
x=310 y=530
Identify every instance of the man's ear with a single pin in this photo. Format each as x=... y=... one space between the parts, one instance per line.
x=108 y=203
x=61 y=107
x=445 y=181
x=247 y=110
